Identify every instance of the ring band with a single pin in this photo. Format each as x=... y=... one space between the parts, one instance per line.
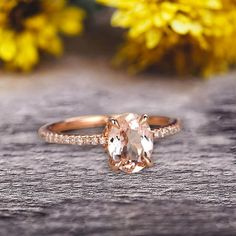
x=52 y=133
x=128 y=137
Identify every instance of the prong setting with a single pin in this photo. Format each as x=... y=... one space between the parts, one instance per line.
x=115 y=166
x=114 y=122
x=148 y=161
x=144 y=118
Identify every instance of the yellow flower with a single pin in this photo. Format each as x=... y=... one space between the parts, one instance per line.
x=186 y=36
x=29 y=27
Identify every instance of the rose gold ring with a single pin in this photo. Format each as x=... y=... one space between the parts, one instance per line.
x=128 y=138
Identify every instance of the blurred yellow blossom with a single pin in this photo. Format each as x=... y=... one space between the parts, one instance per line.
x=185 y=36
x=28 y=27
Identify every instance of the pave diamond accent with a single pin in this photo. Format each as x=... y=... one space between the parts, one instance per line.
x=166 y=131
x=52 y=137
x=130 y=142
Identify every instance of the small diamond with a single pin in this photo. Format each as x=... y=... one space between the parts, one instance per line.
x=87 y=140
x=72 y=139
x=94 y=140
x=78 y=140
x=103 y=140
x=66 y=139
x=50 y=137
x=56 y=138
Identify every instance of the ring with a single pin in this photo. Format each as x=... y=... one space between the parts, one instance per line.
x=128 y=138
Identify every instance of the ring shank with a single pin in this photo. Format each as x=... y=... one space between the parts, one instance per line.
x=53 y=133
x=81 y=122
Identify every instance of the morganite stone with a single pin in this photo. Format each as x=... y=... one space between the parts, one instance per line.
x=130 y=143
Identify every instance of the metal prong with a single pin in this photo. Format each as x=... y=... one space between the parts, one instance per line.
x=144 y=118
x=114 y=122
x=113 y=166
x=148 y=161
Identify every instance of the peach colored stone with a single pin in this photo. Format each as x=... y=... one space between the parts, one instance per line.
x=130 y=143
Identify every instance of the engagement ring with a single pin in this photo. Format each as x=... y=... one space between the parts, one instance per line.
x=128 y=138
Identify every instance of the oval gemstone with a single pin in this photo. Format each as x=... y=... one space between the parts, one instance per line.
x=130 y=143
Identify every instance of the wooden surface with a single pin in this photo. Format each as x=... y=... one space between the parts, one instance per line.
x=69 y=190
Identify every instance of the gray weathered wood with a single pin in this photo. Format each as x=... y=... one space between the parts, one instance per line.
x=69 y=190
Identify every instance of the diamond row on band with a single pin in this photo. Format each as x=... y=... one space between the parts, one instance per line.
x=166 y=131
x=51 y=137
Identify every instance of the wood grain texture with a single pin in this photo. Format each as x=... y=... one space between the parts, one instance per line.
x=68 y=190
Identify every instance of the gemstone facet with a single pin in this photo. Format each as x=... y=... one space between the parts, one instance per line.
x=130 y=142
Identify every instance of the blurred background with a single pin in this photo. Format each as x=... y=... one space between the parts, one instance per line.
x=60 y=59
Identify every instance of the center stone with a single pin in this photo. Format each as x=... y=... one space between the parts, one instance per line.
x=130 y=142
